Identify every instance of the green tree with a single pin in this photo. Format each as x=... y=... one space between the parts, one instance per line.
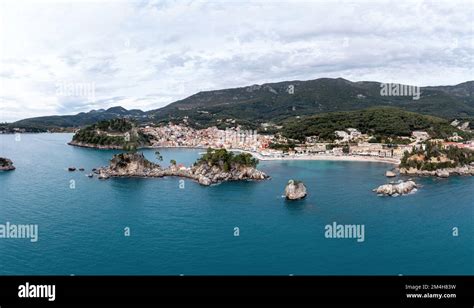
x=158 y=156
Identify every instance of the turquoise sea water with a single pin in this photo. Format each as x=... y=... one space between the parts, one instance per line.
x=190 y=230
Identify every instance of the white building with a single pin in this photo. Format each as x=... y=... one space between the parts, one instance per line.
x=420 y=135
x=353 y=133
x=342 y=135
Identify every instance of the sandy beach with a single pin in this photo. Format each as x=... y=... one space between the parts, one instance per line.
x=386 y=160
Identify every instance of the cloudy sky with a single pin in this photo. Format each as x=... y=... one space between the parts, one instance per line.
x=64 y=57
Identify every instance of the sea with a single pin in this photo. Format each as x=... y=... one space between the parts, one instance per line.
x=171 y=226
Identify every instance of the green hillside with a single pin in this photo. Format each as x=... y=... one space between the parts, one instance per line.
x=380 y=121
x=276 y=102
x=252 y=105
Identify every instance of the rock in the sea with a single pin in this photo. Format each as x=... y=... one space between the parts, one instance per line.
x=442 y=173
x=102 y=175
x=131 y=164
x=390 y=174
x=6 y=164
x=204 y=180
x=395 y=189
x=295 y=190
x=71 y=169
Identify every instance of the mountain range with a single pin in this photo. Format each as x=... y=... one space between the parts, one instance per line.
x=275 y=102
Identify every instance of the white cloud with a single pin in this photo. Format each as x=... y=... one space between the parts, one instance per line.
x=148 y=54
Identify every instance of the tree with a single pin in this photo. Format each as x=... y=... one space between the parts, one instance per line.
x=345 y=149
x=173 y=162
x=158 y=156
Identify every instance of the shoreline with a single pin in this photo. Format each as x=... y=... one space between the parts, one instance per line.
x=391 y=161
x=92 y=146
x=325 y=157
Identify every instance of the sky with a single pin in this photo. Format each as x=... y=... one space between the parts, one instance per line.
x=66 y=57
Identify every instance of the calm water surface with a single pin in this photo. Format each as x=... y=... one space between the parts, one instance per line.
x=190 y=230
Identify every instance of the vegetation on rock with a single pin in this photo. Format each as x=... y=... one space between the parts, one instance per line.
x=116 y=132
x=434 y=156
x=226 y=160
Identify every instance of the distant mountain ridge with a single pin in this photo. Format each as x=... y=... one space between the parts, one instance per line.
x=81 y=119
x=279 y=101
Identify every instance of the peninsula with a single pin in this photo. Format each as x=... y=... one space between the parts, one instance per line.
x=111 y=134
x=437 y=158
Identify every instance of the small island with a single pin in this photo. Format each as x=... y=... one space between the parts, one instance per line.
x=6 y=164
x=115 y=134
x=215 y=166
x=295 y=190
x=396 y=189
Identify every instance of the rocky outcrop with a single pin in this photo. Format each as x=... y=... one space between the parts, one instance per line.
x=95 y=146
x=295 y=190
x=132 y=164
x=136 y=165
x=390 y=174
x=443 y=173
x=215 y=174
x=6 y=164
x=102 y=175
x=396 y=189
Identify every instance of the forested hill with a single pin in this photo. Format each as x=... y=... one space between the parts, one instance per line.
x=115 y=133
x=380 y=122
x=277 y=101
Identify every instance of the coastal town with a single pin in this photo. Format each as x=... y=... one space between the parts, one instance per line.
x=350 y=143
